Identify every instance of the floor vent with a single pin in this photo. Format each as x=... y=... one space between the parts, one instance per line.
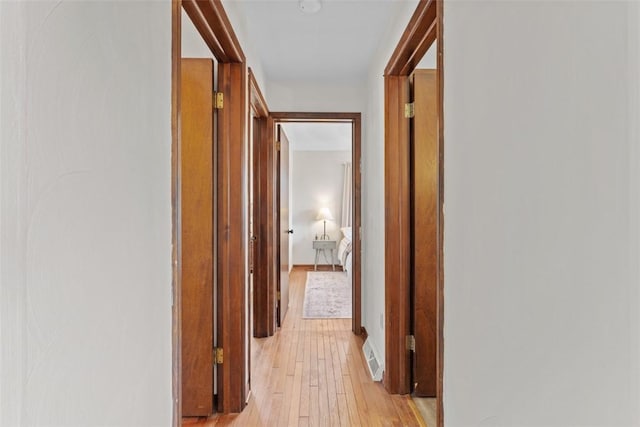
x=372 y=360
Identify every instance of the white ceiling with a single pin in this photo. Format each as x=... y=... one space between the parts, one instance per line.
x=336 y=44
x=318 y=136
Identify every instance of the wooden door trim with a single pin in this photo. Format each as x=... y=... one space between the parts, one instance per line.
x=214 y=27
x=356 y=153
x=212 y=23
x=231 y=235
x=420 y=33
x=397 y=378
x=440 y=302
x=271 y=226
x=279 y=132
x=284 y=117
x=263 y=312
x=256 y=99
x=425 y=26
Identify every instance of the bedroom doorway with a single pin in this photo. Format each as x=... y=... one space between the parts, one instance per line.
x=414 y=201
x=323 y=159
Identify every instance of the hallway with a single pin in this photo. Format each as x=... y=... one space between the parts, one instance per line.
x=311 y=373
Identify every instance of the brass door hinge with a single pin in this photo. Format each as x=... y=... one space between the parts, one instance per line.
x=278 y=294
x=218 y=100
x=411 y=343
x=277 y=145
x=218 y=356
x=409 y=110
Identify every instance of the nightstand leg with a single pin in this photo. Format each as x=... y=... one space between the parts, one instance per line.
x=315 y=264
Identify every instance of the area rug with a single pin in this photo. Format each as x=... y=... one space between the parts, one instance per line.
x=327 y=295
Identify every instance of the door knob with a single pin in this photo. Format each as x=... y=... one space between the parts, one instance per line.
x=290 y=231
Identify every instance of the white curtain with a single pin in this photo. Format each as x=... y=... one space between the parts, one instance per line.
x=347 y=200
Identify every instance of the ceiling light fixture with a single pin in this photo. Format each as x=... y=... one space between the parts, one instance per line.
x=309 y=6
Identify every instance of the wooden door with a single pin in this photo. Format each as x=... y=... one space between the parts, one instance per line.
x=197 y=236
x=231 y=229
x=264 y=202
x=424 y=198
x=252 y=217
x=283 y=224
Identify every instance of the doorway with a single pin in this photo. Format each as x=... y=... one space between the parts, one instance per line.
x=354 y=120
x=414 y=198
x=225 y=278
x=319 y=208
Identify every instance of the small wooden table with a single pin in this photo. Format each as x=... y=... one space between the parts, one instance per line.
x=324 y=245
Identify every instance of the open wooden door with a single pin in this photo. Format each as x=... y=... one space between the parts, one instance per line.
x=197 y=237
x=424 y=200
x=227 y=236
x=282 y=201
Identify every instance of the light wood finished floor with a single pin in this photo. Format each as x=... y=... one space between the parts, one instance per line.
x=312 y=373
x=427 y=407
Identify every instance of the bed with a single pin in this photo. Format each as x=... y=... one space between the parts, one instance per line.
x=344 y=250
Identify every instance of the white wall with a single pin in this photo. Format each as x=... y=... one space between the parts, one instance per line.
x=541 y=224
x=192 y=44
x=430 y=59
x=85 y=214
x=234 y=10
x=300 y=97
x=633 y=48
x=317 y=180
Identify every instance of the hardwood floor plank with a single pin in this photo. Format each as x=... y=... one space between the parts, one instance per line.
x=291 y=366
x=323 y=400
x=332 y=395
x=313 y=364
x=274 y=415
x=306 y=372
x=314 y=409
x=300 y=348
x=286 y=401
x=352 y=406
x=312 y=373
x=336 y=363
x=407 y=411
x=319 y=336
x=359 y=399
x=294 y=409
x=343 y=410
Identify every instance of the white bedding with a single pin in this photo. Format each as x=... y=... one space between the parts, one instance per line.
x=344 y=249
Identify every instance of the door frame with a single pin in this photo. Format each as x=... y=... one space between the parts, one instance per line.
x=259 y=246
x=214 y=27
x=264 y=222
x=356 y=120
x=425 y=27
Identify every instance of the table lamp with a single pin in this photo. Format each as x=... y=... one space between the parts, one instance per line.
x=323 y=215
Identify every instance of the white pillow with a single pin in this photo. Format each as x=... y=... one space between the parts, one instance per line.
x=346 y=232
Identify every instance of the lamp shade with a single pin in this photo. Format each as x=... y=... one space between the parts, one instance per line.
x=324 y=214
